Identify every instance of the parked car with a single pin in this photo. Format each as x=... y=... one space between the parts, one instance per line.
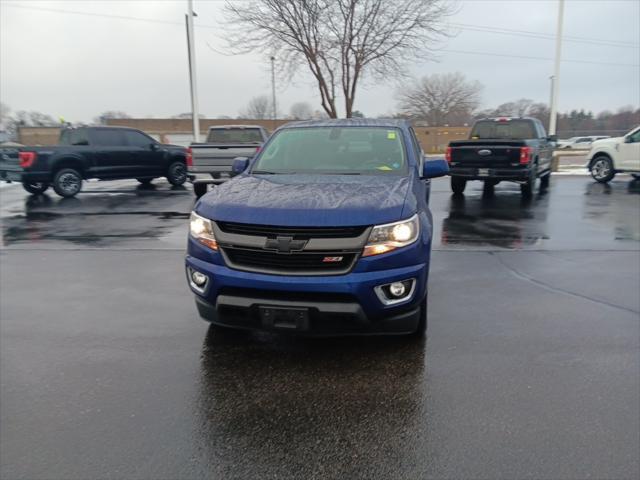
x=210 y=162
x=502 y=149
x=579 y=143
x=326 y=231
x=615 y=155
x=105 y=153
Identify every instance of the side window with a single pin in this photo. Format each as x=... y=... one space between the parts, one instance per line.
x=635 y=137
x=106 y=137
x=78 y=137
x=541 y=130
x=416 y=145
x=137 y=139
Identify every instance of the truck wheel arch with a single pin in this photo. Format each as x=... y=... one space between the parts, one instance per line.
x=599 y=154
x=68 y=162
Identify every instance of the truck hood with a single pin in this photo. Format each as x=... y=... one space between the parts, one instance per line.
x=607 y=141
x=304 y=200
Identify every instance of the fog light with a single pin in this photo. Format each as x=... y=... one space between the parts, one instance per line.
x=397 y=289
x=396 y=292
x=198 y=278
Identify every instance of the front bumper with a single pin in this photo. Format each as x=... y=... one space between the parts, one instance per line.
x=336 y=305
x=473 y=173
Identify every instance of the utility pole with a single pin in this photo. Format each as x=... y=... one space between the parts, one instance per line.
x=192 y=72
x=273 y=90
x=556 y=73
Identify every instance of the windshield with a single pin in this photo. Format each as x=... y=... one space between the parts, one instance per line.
x=334 y=150
x=234 y=135
x=504 y=129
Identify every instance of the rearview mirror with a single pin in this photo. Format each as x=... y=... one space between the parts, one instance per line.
x=435 y=167
x=239 y=165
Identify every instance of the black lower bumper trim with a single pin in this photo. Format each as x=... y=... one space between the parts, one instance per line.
x=325 y=318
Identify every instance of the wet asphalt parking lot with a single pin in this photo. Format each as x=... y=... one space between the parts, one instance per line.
x=531 y=369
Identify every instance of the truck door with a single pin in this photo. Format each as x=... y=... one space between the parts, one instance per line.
x=630 y=152
x=147 y=155
x=112 y=154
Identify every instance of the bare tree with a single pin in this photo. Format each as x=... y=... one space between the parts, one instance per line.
x=258 y=108
x=104 y=116
x=441 y=98
x=518 y=108
x=23 y=118
x=339 y=41
x=188 y=115
x=300 y=111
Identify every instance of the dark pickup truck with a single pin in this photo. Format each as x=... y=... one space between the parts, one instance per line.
x=502 y=149
x=105 y=153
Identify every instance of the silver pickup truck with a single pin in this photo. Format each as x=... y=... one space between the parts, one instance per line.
x=210 y=163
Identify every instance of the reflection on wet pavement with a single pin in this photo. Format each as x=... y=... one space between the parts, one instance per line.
x=341 y=399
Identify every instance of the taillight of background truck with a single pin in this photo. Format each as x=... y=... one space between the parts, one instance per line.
x=26 y=159
x=189 y=157
x=525 y=155
x=258 y=149
x=447 y=155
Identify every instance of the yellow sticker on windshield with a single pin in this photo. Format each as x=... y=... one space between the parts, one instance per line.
x=391 y=135
x=384 y=167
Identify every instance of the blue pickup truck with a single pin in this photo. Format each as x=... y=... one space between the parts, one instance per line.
x=327 y=231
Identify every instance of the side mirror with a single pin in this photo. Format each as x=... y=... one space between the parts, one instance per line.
x=552 y=138
x=153 y=147
x=627 y=139
x=239 y=165
x=435 y=167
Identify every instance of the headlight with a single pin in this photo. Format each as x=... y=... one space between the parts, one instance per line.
x=201 y=229
x=385 y=238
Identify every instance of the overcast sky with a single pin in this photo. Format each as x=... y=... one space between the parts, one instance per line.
x=77 y=65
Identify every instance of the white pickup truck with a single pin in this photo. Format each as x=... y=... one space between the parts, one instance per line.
x=210 y=163
x=615 y=155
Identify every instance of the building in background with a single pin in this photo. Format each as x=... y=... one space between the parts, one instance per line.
x=177 y=131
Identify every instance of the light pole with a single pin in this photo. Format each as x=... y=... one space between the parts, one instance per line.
x=273 y=90
x=192 y=72
x=556 y=73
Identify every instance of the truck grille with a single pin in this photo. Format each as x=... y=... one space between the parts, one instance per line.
x=303 y=233
x=296 y=262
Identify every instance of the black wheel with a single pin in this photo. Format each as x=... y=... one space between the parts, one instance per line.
x=602 y=169
x=421 y=331
x=145 y=181
x=67 y=182
x=458 y=184
x=35 y=188
x=527 y=188
x=544 y=181
x=199 y=189
x=177 y=173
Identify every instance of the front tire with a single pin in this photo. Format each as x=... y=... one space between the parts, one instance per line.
x=67 y=182
x=458 y=185
x=199 y=189
x=177 y=173
x=35 y=188
x=421 y=331
x=602 y=169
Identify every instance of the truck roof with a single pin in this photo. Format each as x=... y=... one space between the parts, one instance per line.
x=350 y=122
x=222 y=127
